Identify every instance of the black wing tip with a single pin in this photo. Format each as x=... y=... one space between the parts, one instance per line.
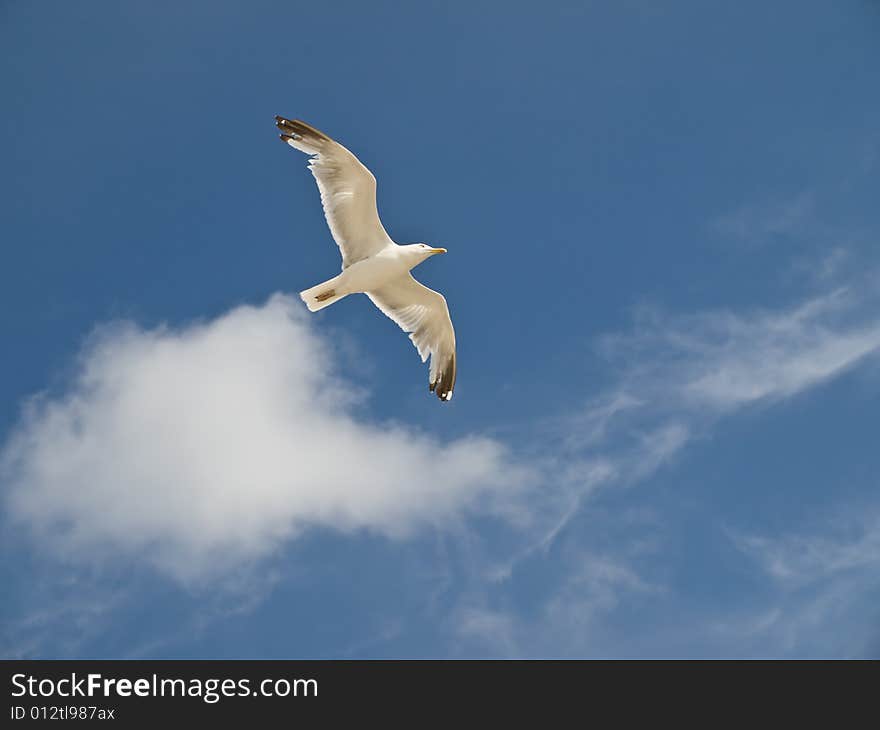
x=285 y=125
x=444 y=384
x=297 y=127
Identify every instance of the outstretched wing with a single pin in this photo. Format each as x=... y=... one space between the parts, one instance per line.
x=423 y=313
x=348 y=191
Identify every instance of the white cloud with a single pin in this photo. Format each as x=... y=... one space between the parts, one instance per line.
x=678 y=375
x=202 y=447
x=798 y=560
x=492 y=632
x=720 y=361
x=65 y=614
x=680 y=372
x=571 y=621
x=823 y=590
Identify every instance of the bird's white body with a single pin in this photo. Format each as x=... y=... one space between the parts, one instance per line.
x=376 y=271
x=368 y=275
x=372 y=263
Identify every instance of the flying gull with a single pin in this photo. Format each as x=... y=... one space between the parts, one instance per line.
x=372 y=263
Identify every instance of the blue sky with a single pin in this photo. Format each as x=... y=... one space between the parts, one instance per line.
x=664 y=259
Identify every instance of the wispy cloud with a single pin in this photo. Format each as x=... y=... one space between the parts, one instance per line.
x=720 y=361
x=572 y=620
x=755 y=224
x=824 y=587
x=802 y=559
x=63 y=617
x=678 y=376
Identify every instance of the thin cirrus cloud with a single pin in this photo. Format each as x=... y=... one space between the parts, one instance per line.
x=794 y=561
x=721 y=361
x=678 y=376
x=756 y=224
x=822 y=589
x=212 y=444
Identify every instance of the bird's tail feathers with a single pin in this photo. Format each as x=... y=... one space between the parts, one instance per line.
x=322 y=295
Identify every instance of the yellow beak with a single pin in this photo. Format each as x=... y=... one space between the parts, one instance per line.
x=438 y=250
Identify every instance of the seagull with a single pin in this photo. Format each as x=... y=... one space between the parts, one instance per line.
x=372 y=263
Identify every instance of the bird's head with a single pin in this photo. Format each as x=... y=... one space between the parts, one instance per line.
x=421 y=251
